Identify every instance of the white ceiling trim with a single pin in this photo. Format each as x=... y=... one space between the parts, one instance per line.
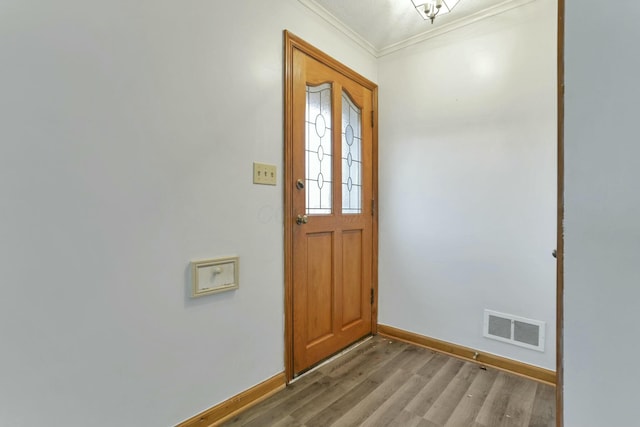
x=331 y=19
x=453 y=25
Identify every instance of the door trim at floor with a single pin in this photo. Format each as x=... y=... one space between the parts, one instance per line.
x=332 y=358
x=292 y=43
x=532 y=372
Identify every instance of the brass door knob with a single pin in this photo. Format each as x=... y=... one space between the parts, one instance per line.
x=302 y=219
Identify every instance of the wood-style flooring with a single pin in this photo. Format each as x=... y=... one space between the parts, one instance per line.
x=391 y=383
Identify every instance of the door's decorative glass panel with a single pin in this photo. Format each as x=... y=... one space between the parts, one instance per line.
x=318 y=155
x=351 y=156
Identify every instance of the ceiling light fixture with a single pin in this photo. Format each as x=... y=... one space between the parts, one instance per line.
x=430 y=8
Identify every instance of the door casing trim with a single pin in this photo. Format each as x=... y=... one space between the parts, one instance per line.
x=560 y=223
x=291 y=43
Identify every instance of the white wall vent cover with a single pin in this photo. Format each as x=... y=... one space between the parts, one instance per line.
x=516 y=330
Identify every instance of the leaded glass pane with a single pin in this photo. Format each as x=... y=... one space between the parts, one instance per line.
x=351 y=157
x=318 y=149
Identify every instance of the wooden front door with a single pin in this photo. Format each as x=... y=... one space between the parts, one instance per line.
x=331 y=209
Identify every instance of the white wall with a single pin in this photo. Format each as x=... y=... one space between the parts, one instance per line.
x=127 y=135
x=467 y=180
x=602 y=212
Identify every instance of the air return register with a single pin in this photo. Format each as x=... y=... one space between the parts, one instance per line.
x=515 y=330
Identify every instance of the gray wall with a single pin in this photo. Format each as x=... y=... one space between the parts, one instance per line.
x=468 y=180
x=127 y=135
x=602 y=218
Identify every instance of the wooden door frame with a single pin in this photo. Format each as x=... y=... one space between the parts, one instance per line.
x=560 y=224
x=291 y=43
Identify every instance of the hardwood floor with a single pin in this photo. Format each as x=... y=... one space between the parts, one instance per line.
x=390 y=383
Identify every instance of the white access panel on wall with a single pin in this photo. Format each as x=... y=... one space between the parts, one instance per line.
x=213 y=276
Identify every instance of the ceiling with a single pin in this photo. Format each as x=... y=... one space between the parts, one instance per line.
x=384 y=26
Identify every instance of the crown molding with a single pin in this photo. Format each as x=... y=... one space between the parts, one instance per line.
x=340 y=26
x=418 y=38
x=453 y=25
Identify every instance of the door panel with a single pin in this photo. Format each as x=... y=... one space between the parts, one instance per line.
x=332 y=219
x=318 y=312
x=352 y=280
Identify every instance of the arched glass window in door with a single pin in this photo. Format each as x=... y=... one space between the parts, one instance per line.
x=318 y=152
x=351 y=156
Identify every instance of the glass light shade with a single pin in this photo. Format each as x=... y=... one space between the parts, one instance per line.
x=424 y=7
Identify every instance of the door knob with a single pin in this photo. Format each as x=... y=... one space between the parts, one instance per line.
x=302 y=219
x=300 y=184
x=554 y=253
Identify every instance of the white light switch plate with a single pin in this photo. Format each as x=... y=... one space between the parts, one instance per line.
x=264 y=173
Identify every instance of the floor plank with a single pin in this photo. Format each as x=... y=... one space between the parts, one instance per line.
x=544 y=407
x=518 y=411
x=348 y=400
x=408 y=419
x=395 y=404
x=434 y=387
x=282 y=403
x=389 y=383
x=447 y=402
x=347 y=382
x=277 y=413
x=467 y=409
x=493 y=410
x=361 y=411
